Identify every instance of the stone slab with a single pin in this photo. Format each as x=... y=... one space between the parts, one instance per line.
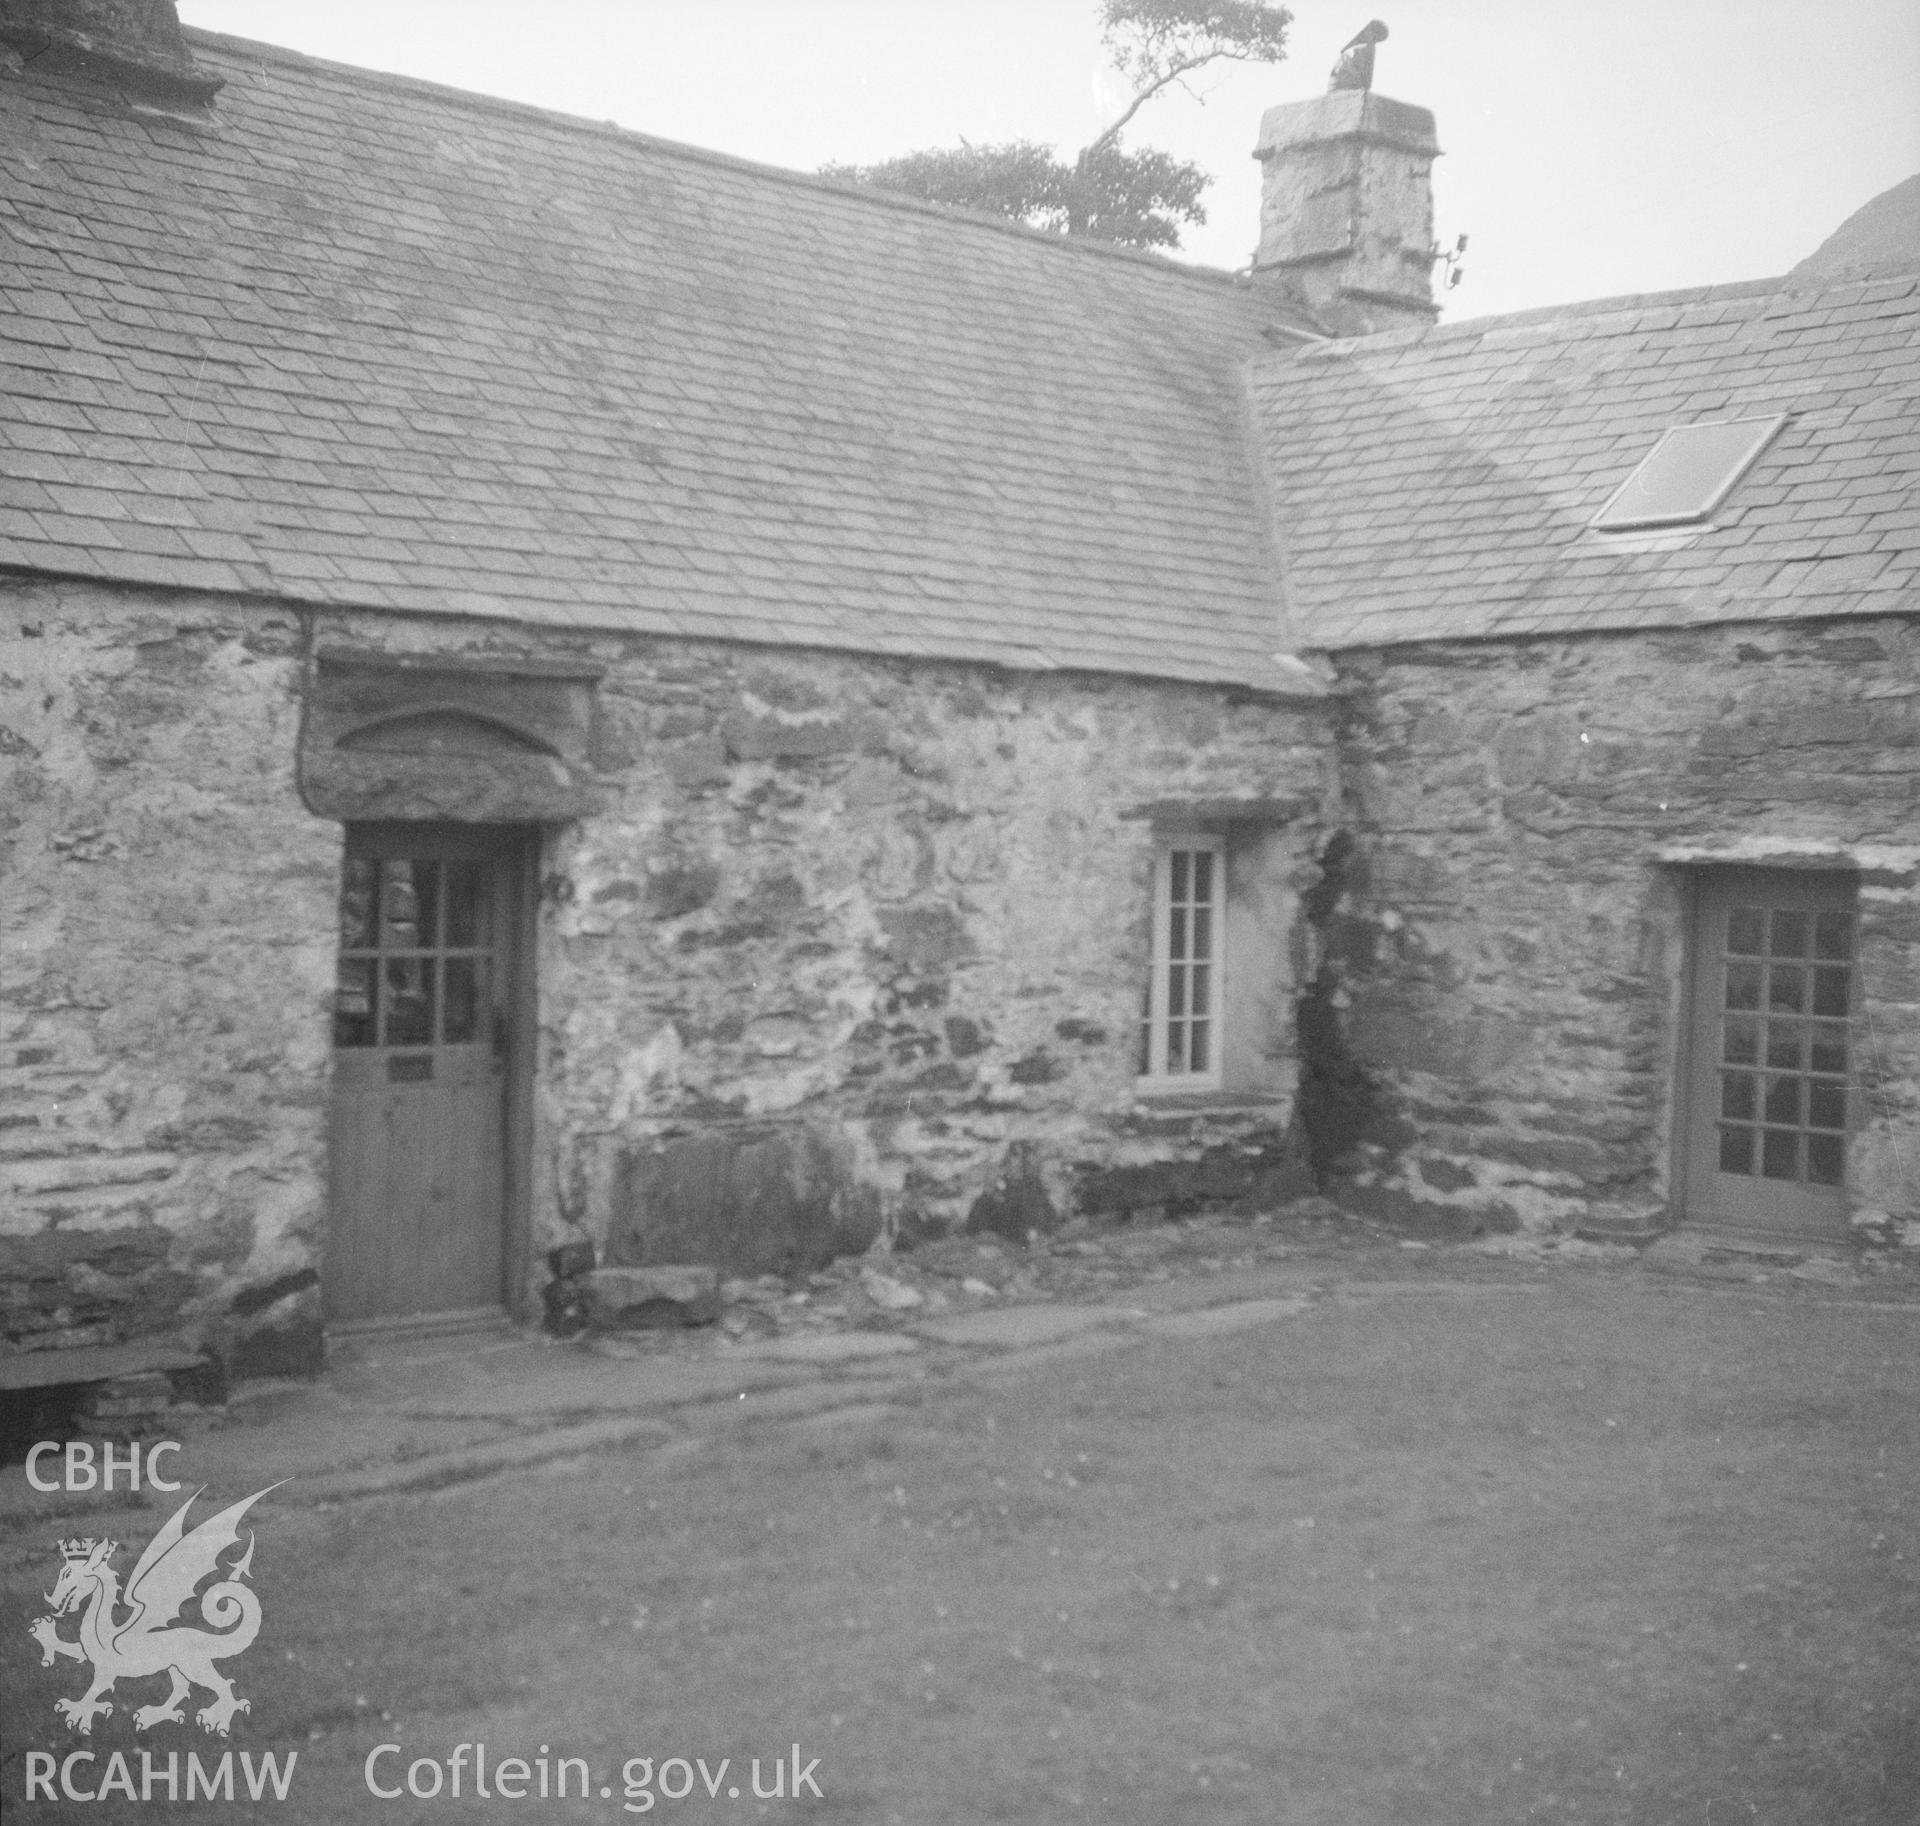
x=488 y=1460
x=1727 y=1255
x=94 y=1363
x=1217 y=1321
x=620 y=1297
x=1358 y=1293
x=1676 y=1251
x=1043 y=1356
x=1285 y=1280
x=535 y=1380
x=1011 y=1327
x=826 y=1347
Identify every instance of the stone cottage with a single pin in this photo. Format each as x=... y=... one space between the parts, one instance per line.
x=1621 y=599
x=556 y=686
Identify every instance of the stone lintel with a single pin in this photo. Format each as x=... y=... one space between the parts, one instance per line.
x=471 y=665
x=1217 y=811
x=478 y=739
x=1878 y=865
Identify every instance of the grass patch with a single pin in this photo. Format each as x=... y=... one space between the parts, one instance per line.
x=1614 y=1550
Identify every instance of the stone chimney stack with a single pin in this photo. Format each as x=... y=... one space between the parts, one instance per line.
x=1346 y=211
x=134 y=46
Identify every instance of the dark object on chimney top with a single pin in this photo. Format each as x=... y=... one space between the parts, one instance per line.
x=1355 y=68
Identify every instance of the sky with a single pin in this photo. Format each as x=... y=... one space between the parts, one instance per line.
x=1591 y=147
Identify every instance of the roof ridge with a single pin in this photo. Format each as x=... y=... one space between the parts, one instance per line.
x=1621 y=301
x=1077 y=246
x=1780 y=285
x=1619 y=304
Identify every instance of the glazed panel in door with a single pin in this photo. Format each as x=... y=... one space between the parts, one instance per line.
x=419 y=1082
x=1770 y=1087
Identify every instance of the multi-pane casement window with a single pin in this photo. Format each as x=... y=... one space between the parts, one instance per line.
x=1180 y=1013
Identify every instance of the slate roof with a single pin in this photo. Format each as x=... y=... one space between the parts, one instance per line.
x=1438 y=483
x=373 y=342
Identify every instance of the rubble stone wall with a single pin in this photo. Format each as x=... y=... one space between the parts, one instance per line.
x=1505 y=929
x=854 y=945
x=863 y=944
x=166 y=961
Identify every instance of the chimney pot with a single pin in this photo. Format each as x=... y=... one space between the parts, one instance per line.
x=1346 y=210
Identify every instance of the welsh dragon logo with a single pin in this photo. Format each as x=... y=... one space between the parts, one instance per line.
x=148 y=1640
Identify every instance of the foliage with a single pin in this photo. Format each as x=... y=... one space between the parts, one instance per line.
x=1020 y=179
x=1138 y=199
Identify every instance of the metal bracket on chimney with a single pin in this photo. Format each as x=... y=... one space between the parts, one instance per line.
x=1450 y=258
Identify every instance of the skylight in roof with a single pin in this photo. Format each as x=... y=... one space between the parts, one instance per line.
x=1687 y=474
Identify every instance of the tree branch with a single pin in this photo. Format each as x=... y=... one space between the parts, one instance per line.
x=1174 y=71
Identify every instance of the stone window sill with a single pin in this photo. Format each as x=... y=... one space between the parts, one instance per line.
x=1215 y=1100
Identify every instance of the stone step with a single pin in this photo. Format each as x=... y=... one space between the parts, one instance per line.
x=1625 y=1220
x=1634 y=1230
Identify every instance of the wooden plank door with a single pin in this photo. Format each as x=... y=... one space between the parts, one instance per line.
x=1771 y=1077
x=427 y=970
